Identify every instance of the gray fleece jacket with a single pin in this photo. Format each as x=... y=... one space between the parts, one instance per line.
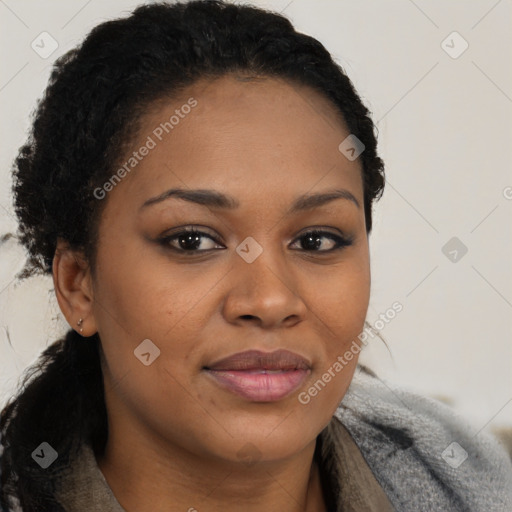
x=425 y=458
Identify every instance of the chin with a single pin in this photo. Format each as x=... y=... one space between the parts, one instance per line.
x=267 y=440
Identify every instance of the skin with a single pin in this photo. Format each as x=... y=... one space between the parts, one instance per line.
x=174 y=435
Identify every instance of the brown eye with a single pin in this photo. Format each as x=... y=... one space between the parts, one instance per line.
x=189 y=241
x=311 y=241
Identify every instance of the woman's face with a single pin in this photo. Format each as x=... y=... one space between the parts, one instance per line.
x=256 y=279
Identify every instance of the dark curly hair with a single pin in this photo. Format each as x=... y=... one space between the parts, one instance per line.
x=86 y=119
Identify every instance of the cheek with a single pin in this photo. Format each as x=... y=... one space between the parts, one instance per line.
x=341 y=302
x=136 y=302
x=140 y=299
x=341 y=306
x=135 y=295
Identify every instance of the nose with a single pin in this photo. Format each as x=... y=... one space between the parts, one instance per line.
x=266 y=292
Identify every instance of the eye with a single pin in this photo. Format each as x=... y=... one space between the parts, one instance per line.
x=188 y=240
x=312 y=240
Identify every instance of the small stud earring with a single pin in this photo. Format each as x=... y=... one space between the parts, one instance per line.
x=79 y=323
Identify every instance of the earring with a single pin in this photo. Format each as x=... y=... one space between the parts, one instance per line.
x=79 y=323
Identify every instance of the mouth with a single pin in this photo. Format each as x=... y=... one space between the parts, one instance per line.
x=260 y=376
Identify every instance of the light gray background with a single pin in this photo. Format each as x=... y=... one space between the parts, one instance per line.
x=445 y=134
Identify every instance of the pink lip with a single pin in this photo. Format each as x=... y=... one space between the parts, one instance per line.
x=261 y=376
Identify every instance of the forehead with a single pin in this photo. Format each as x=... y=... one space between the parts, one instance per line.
x=246 y=136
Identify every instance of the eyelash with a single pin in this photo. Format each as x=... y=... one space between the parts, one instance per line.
x=341 y=242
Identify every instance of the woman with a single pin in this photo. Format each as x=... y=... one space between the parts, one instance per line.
x=199 y=183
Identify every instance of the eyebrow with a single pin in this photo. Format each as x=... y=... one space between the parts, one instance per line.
x=215 y=199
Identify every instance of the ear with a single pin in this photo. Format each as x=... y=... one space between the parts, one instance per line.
x=73 y=287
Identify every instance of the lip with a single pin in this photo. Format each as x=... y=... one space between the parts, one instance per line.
x=260 y=376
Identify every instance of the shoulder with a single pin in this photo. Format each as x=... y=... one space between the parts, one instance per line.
x=423 y=454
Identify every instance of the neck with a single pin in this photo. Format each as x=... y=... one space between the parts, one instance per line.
x=146 y=477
